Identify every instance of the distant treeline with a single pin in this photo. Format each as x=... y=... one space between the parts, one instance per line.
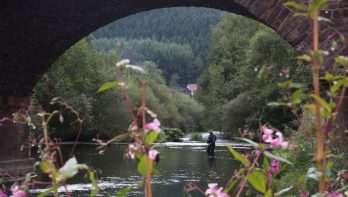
x=245 y=62
x=177 y=39
x=177 y=61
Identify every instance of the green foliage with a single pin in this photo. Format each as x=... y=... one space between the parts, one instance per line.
x=197 y=137
x=150 y=137
x=241 y=78
x=173 y=134
x=150 y=36
x=173 y=58
x=79 y=73
x=238 y=156
x=124 y=191
x=141 y=167
x=183 y=25
x=258 y=180
x=301 y=156
x=74 y=76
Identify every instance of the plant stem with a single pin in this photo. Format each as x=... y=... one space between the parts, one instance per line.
x=148 y=189
x=244 y=181
x=320 y=153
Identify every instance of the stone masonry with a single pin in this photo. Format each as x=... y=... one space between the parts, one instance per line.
x=35 y=32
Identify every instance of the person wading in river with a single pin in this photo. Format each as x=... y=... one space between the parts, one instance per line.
x=211 y=143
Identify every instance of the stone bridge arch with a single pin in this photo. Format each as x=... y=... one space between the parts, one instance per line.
x=35 y=32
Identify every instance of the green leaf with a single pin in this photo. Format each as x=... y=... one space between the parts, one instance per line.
x=124 y=191
x=329 y=165
x=107 y=86
x=151 y=136
x=277 y=104
x=328 y=77
x=310 y=107
x=265 y=163
x=248 y=141
x=258 y=180
x=238 y=156
x=230 y=185
x=342 y=60
x=142 y=166
x=268 y=193
x=46 y=166
x=317 y=4
x=156 y=172
x=94 y=182
x=305 y=14
x=290 y=84
x=296 y=96
x=322 y=102
x=304 y=57
x=262 y=73
x=295 y=5
x=302 y=179
x=336 y=86
x=272 y=156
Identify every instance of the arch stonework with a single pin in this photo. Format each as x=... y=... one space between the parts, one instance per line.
x=35 y=32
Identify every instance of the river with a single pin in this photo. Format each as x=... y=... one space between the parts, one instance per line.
x=180 y=164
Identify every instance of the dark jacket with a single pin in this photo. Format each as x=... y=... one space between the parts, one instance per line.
x=211 y=139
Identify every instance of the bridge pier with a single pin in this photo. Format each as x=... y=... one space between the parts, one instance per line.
x=13 y=160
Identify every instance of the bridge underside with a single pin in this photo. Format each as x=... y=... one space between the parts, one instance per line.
x=35 y=32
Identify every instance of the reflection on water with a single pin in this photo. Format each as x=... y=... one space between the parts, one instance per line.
x=178 y=166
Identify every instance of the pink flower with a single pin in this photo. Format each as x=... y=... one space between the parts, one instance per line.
x=279 y=141
x=275 y=166
x=336 y=194
x=16 y=192
x=2 y=194
x=130 y=154
x=213 y=191
x=306 y=194
x=153 y=154
x=154 y=125
x=267 y=134
x=258 y=152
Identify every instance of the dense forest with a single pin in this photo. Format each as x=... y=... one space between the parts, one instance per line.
x=80 y=71
x=176 y=39
x=244 y=60
x=127 y=80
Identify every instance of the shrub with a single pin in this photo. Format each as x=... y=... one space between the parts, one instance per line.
x=196 y=137
x=162 y=137
x=301 y=155
x=173 y=134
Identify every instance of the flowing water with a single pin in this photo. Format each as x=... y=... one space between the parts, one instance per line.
x=181 y=163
